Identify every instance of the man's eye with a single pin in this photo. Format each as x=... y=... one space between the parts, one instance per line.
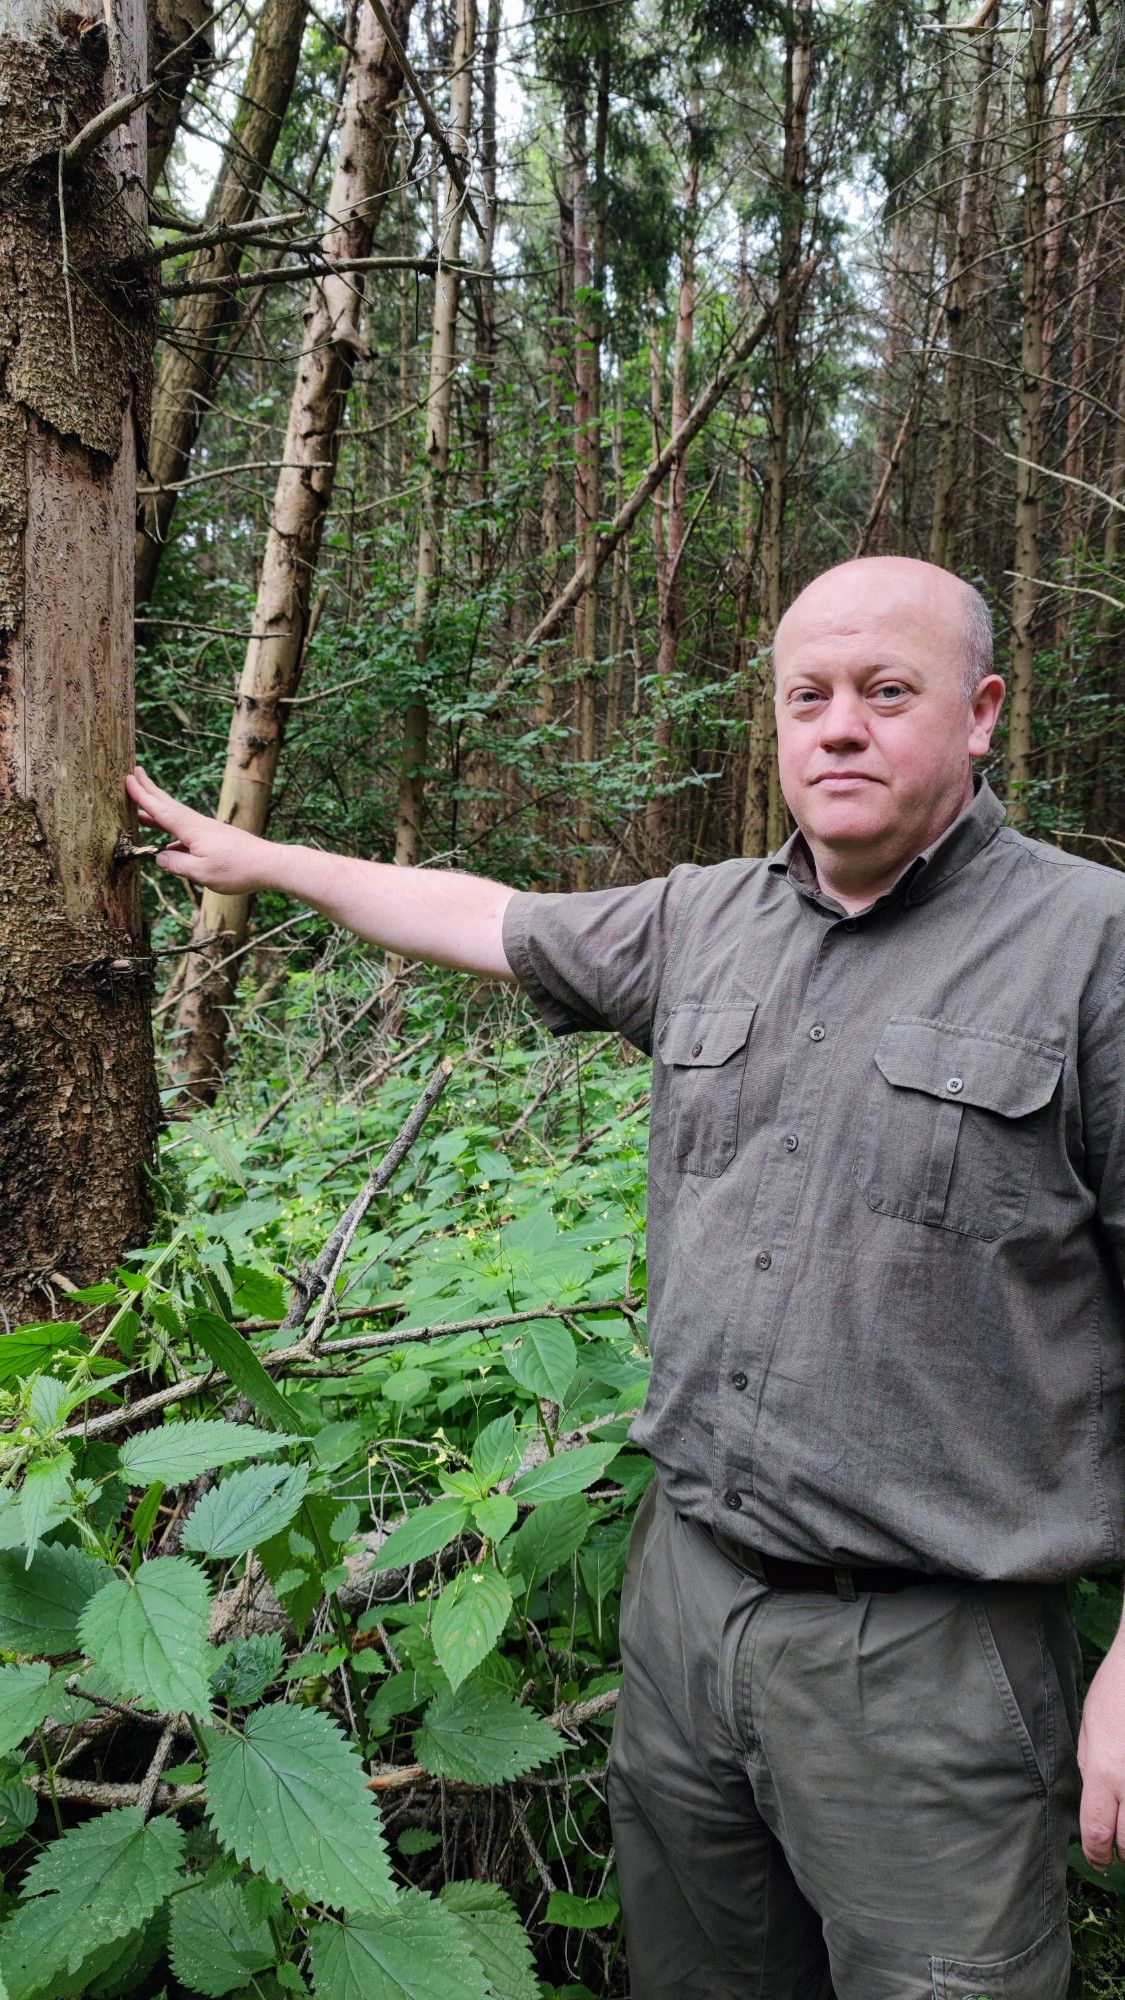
x=891 y=690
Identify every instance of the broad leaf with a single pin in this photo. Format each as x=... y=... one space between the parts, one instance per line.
x=469 y=1617
x=495 y=1451
x=490 y=1925
x=496 y=1516
x=245 y=1510
x=422 y=1535
x=482 y=1737
x=543 y=1358
x=548 y=1538
x=25 y=1697
x=232 y=1352
x=297 y=1559
x=101 y=1881
x=216 y=1944
x=40 y=1601
x=46 y=1487
x=287 y=1795
x=566 y=1472
x=26 y=1348
x=247 y=1667
x=580 y=1913
x=148 y=1633
x=176 y=1453
x=414 y=1951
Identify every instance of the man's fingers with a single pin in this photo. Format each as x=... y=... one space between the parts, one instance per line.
x=1098 y=1821
x=158 y=808
x=176 y=861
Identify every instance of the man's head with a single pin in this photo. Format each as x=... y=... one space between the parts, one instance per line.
x=884 y=692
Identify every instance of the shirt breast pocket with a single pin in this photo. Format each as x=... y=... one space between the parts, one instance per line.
x=952 y=1125
x=703 y=1054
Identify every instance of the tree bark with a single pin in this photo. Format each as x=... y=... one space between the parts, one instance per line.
x=1025 y=587
x=439 y=414
x=274 y=656
x=193 y=345
x=943 y=536
x=181 y=45
x=77 y=324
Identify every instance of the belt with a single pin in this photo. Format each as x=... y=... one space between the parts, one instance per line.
x=845 y=1580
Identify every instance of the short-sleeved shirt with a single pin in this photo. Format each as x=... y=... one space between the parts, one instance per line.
x=886 y=1220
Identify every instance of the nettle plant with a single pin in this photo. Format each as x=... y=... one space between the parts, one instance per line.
x=309 y=1642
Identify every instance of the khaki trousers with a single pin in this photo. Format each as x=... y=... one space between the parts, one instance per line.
x=812 y=1798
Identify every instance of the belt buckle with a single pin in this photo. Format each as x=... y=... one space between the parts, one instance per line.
x=845 y=1583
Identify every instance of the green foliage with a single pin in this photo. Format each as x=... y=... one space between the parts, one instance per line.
x=416 y=1951
x=245 y=1510
x=148 y=1635
x=482 y=1737
x=42 y=1599
x=216 y=1942
x=99 y=1882
x=176 y=1453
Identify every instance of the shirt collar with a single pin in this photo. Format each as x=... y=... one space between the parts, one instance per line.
x=965 y=838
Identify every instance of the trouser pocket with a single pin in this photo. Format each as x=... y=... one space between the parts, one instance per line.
x=1042 y=1972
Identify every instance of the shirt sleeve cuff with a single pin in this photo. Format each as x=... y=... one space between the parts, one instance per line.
x=516 y=917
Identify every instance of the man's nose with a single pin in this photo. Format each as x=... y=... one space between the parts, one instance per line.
x=844 y=722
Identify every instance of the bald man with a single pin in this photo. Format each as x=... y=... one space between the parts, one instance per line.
x=886 y=1240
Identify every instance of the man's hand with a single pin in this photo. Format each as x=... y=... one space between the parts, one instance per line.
x=216 y=856
x=1101 y=1760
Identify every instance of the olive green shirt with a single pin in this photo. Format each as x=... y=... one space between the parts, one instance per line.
x=886 y=1223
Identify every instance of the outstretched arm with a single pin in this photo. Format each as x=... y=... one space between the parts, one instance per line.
x=436 y=914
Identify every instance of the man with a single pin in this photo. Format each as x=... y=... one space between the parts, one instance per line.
x=887 y=1404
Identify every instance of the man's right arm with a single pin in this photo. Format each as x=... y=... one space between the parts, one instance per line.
x=439 y=915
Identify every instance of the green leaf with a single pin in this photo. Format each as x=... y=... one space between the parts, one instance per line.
x=414 y=1951
x=148 y=1632
x=287 y=1795
x=580 y=1913
x=548 y=1538
x=216 y=1945
x=40 y=1602
x=567 y=1472
x=543 y=1359
x=293 y=1562
x=25 y=1698
x=496 y=1515
x=145 y=1513
x=247 y=1668
x=19 y=1809
x=482 y=1737
x=495 y=1452
x=102 y=1880
x=469 y=1617
x=27 y=1348
x=179 y=1452
x=244 y=1510
x=423 y=1534
x=232 y=1352
x=490 y=1925
x=45 y=1490
x=418 y=1840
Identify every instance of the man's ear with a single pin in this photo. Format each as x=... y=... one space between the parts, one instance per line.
x=988 y=699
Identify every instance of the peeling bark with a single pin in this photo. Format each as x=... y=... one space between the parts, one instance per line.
x=78 y=1100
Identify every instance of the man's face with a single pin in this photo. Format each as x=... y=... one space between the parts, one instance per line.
x=874 y=730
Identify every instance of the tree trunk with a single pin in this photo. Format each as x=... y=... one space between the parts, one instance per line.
x=943 y=534
x=439 y=413
x=181 y=45
x=77 y=323
x=193 y=346
x=271 y=673
x=1025 y=588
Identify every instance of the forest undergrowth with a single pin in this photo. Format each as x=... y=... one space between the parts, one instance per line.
x=311 y=1543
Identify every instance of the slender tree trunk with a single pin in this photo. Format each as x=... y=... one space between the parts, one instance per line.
x=552 y=483
x=439 y=413
x=181 y=47
x=194 y=343
x=1025 y=588
x=617 y=579
x=943 y=528
x=274 y=656
x=77 y=1084
x=657 y=817
x=588 y=238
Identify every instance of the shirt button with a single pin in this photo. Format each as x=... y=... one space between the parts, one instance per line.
x=733 y=1499
x=763 y=1260
x=697 y=1049
x=849 y=924
x=791 y=1142
x=739 y=1379
x=954 y=1084
x=816 y=1032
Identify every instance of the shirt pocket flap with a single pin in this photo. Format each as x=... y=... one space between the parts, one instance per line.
x=1012 y=1078
x=704 y=1037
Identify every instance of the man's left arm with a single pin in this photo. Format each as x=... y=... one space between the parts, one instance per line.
x=1101 y=1759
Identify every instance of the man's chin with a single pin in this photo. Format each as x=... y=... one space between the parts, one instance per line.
x=855 y=814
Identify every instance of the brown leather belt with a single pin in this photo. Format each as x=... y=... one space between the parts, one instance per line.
x=844 y=1580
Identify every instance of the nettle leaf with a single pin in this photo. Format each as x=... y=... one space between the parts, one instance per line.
x=101 y=1881
x=27 y=1348
x=481 y=1736
x=566 y=1472
x=490 y=1925
x=580 y=1913
x=423 y=1534
x=287 y=1795
x=43 y=1496
x=19 y=1809
x=25 y=1697
x=176 y=1453
x=496 y=1515
x=469 y=1617
x=232 y=1352
x=548 y=1538
x=244 y=1510
x=496 y=1452
x=543 y=1359
x=247 y=1668
x=292 y=1559
x=216 y=1943
x=148 y=1632
x=41 y=1601
x=413 y=1951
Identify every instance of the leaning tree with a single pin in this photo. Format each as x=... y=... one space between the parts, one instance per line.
x=78 y=1097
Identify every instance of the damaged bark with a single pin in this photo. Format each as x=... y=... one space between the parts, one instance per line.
x=78 y=1098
